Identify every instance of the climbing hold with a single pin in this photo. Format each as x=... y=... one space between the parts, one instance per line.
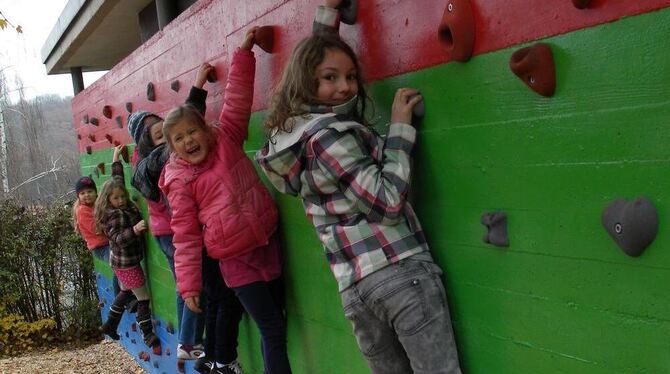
x=89 y=150
x=581 y=4
x=167 y=351
x=534 y=65
x=151 y=94
x=107 y=111
x=94 y=121
x=144 y=356
x=457 y=30
x=169 y=328
x=632 y=224
x=92 y=137
x=133 y=341
x=156 y=364
x=101 y=167
x=348 y=11
x=109 y=138
x=180 y=366
x=85 y=118
x=419 y=109
x=124 y=154
x=117 y=143
x=156 y=349
x=78 y=136
x=129 y=107
x=265 y=38
x=496 y=225
x=119 y=121
x=175 y=85
x=127 y=335
x=211 y=77
x=133 y=327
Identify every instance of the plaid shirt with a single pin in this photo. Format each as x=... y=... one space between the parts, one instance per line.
x=126 y=248
x=353 y=186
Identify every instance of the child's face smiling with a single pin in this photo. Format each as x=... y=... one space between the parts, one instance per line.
x=337 y=77
x=190 y=142
x=87 y=196
x=117 y=198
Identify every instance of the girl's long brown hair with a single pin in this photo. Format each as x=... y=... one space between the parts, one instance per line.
x=102 y=202
x=299 y=84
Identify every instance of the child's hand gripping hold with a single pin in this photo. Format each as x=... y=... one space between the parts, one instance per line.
x=203 y=73
x=403 y=103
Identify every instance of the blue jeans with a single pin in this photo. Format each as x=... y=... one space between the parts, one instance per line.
x=190 y=323
x=401 y=319
x=102 y=254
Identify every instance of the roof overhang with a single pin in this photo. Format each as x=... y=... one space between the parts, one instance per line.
x=93 y=34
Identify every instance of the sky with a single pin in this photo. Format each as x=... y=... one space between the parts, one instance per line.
x=20 y=53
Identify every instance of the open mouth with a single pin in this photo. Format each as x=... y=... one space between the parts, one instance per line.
x=193 y=150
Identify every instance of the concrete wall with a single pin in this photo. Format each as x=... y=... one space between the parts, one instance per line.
x=562 y=297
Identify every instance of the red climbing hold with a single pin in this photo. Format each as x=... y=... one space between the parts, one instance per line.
x=534 y=65
x=109 y=138
x=144 y=356
x=151 y=93
x=180 y=366
x=117 y=143
x=124 y=154
x=581 y=4
x=133 y=327
x=92 y=137
x=156 y=349
x=101 y=167
x=265 y=38
x=457 y=30
x=107 y=111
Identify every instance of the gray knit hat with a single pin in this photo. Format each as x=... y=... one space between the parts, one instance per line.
x=136 y=125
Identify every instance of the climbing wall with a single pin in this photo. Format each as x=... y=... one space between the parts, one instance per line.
x=561 y=296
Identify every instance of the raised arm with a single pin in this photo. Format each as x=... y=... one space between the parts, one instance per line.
x=148 y=171
x=239 y=93
x=117 y=167
x=327 y=18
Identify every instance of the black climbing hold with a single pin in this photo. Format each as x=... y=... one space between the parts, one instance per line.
x=348 y=11
x=85 y=118
x=119 y=121
x=156 y=364
x=129 y=107
x=175 y=85
x=127 y=335
x=496 y=225
x=89 y=150
x=632 y=224
x=211 y=77
x=581 y=4
x=151 y=94
x=94 y=121
x=107 y=111
x=133 y=341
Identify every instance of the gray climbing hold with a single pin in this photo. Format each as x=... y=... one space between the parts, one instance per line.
x=151 y=94
x=129 y=107
x=348 y=11
x=119 y=122
x=632 y=224
x=496 y=225
x=175 y=85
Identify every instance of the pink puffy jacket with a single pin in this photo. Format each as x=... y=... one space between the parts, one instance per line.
x=222 y=200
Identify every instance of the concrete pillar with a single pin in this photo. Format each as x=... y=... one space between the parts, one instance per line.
x=77 y=79
x=167 y=11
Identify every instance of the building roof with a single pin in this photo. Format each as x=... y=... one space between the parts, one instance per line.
x=93 y=34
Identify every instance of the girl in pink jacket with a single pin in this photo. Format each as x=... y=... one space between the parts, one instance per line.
x=218 y=201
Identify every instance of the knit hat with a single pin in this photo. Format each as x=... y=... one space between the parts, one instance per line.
x=84 y=183
x=136 y=124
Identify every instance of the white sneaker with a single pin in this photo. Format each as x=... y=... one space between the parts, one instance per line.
x=189 y=352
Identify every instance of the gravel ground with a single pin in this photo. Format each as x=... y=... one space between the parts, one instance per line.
x=104 y=357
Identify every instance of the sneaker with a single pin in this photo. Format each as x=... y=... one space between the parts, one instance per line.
x=189 y=352
x=232 y=368
x=203 y=365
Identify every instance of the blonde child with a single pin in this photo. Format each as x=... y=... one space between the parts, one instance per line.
x=354 y=185
x=121 y=222
x=84 y=223
x=218 y=199
x=148 y=160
